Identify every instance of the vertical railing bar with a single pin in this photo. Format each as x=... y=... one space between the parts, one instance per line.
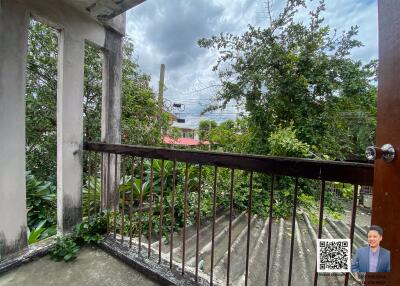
x=88 y=187
x=140 y=205
x=213 y=224
x=95 y=184
x=108 y=191
x=250 y=204
x=123 y=200
x=184 y=217
x=230 y=226
x=131 y=202
x=271 y=198
x=161 y=211
x=116 y=194
x=320 y=223
x=198 y=225
x=172 y=215
x=150 y=221
x=102 y=195
x=353 y=221
x=293 y=230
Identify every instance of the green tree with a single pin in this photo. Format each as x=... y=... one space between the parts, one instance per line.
x=175 y=132
x=299 y=73
x=92 y=94
x=41 y=101
x=142 y=121
x=284 y=142
x=205 y=126
x=225 y=136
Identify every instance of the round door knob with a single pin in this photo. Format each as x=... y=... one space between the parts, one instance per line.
x=370 y=153
x=386 y=152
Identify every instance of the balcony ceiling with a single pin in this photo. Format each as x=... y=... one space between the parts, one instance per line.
x=104 y=9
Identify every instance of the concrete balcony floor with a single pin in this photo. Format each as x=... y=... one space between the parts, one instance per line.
x=92 y=267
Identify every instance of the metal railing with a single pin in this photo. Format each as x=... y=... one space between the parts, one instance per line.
x=112 y=162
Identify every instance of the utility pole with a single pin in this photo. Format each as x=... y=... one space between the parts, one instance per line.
x=209 y=132
x=161 y=93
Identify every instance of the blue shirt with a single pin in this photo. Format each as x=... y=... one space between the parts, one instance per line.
x=361 y=261
x=373 y=259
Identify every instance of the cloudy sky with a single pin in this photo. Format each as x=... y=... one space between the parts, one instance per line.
x=167 y=32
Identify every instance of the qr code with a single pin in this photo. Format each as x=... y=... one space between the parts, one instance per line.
x=333 y=255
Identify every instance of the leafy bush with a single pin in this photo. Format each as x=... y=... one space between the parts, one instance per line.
x=65 y=249
x=40 y=232
x=41 y=207
x=284 y=142
x=89 y=231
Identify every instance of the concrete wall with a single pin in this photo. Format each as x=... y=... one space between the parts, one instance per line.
x=75 y=29
x=13 y=47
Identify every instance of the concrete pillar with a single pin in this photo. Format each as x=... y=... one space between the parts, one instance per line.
x=111 y=100
x=69 y=130
x=14 y=22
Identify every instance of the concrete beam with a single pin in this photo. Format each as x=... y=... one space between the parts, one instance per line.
x=14 y=22
x=69 y=130
x=108 y=9
x=118 y=24
x=60 y=15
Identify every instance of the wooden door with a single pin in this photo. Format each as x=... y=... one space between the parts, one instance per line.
x=386 y=194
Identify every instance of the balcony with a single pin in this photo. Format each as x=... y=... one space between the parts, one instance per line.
x=233 y=245
x=158 y=225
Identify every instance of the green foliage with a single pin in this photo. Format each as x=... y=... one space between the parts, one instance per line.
x=175 y=133
x=228 y=136
x=169 y=196
x=345 y=189
x=141 y=120
x=41 y=208
x=93 y=71
x=205 y=126
x=333 y=203
x=41 y=101
x=303 y=94
x=65 y=249
x=89 y=231
x=299 y=74
x=95 y=184
x=34 y=234
x=336 y=214
x=283 y=142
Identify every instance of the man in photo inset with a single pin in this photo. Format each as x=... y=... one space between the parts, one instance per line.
x=372 y=258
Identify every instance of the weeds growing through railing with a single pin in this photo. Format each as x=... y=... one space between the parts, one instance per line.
x=89 y=231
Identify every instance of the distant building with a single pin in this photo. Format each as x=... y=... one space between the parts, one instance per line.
x=189 y=133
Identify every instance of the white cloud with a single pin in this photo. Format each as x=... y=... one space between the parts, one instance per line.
x=167 y=32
